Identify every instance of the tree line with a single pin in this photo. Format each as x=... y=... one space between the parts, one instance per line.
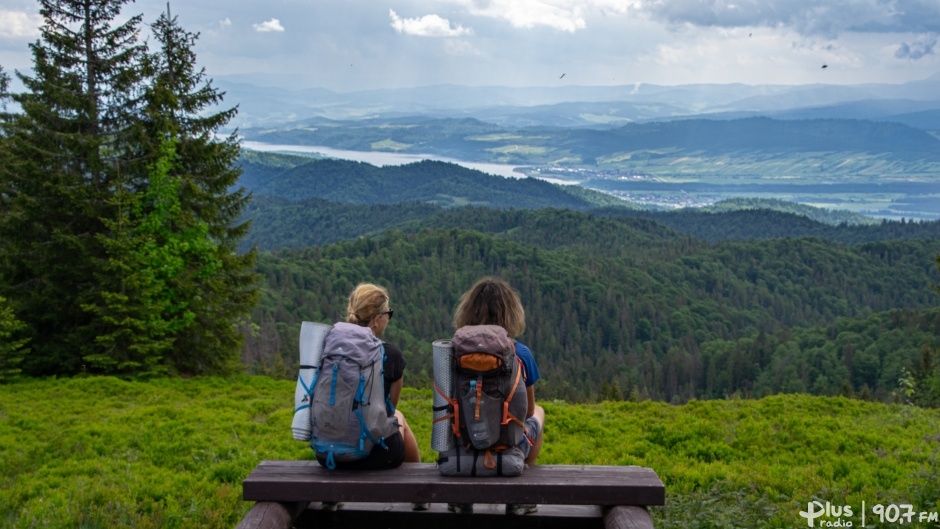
x=620 y=313
x=278 y=222
x=119 y=223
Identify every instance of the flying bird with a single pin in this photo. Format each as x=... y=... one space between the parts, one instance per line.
x=825 y=66
x=562 y=75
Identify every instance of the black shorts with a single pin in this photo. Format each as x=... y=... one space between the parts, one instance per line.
x=379 y=458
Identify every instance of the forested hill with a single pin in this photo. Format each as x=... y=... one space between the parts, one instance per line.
x=664 y=317
x=433 y=182
x=281 y=223
x=669 y=305
x=744 y=224
x=278 y=223
x=298 y=203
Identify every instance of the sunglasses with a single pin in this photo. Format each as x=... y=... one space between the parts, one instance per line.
x=389 y=312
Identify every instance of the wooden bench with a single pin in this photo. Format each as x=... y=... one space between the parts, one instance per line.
x=290 y=494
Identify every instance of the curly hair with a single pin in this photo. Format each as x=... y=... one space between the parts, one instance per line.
x=491 y=301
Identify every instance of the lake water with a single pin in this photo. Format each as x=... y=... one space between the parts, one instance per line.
x=381 y=159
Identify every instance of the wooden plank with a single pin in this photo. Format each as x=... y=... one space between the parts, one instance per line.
x=421 y=482
x=306 y=466
x=400 y=516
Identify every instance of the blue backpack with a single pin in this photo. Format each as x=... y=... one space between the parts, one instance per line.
x=348 y=408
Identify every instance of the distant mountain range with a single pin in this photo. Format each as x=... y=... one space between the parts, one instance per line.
x=873 y=149
x=914 y=103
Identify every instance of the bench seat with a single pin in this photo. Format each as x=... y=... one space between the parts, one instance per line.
x=568 y=496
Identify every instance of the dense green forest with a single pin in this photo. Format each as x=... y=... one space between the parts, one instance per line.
x=281 y=223
x=749 y=297
x=622 y=312
x=761 y=223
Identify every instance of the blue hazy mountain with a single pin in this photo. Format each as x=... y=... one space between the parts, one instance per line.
x=580 y=106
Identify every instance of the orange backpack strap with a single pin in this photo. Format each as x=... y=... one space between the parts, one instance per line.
x=454 y=403
x=476 y=409
x=515 y=384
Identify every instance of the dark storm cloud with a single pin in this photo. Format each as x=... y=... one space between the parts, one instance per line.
x=805 y=17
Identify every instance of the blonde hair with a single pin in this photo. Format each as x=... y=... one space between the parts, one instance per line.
x=491 y=301
x=366 y=302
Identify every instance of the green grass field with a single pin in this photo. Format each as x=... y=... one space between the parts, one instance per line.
x=102 y=452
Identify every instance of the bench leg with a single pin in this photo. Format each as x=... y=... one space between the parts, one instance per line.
x=627 y=517
x=272 y=515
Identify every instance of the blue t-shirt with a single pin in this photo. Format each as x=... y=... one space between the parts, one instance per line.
x=528 y=363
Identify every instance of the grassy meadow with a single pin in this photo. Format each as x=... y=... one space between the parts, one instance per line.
x=171 y=453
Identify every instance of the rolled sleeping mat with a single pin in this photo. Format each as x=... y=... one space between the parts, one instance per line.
x=312 y=338
x=442 y=437
x=461 y=461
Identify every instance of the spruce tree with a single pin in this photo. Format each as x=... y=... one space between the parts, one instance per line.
x=218 y=285
x=120 y=227
x=67 y=146
x=147 y=250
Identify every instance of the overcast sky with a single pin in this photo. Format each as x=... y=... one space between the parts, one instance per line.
x=351 y=45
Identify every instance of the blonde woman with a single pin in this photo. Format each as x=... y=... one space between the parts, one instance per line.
x=369 y=307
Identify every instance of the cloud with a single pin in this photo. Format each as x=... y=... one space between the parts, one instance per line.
x=427 y=26
x=269 y=25
x=17 y=24
x=563 y=15
x=227 y=22
x=917 y=49
x=806 y=18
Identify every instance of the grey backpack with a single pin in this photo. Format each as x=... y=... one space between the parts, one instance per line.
x=348 y=410
x=489 y=388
